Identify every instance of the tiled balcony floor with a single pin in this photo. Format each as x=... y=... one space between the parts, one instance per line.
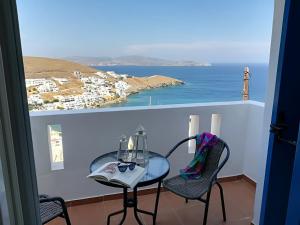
x=239 y=200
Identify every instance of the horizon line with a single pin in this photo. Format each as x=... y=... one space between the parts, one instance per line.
x=175 y=60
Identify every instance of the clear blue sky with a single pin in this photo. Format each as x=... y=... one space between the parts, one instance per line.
x=201 y=30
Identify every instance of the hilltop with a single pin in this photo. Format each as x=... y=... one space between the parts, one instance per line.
x=37 y=67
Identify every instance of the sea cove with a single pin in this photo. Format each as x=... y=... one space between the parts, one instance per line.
x=219 y=82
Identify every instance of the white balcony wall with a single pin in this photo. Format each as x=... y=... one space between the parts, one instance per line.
x=253 y=152
x=90 y=133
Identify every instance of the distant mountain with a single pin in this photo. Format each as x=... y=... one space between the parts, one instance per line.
x=133 y=60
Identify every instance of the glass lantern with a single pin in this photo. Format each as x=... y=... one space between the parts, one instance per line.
x=140 y=151
x=123 y=151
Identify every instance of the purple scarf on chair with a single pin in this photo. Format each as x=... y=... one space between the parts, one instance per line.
x=195 y=167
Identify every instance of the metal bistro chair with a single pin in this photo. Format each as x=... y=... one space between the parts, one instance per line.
x=195 y=189
x=53 y=207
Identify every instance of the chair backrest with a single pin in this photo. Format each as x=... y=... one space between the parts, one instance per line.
x=212 y=162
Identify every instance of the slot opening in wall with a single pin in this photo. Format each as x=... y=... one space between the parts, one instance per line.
x=193 y=130
x=216 y=124
x=56 y=147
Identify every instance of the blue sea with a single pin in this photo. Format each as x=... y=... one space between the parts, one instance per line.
x=219 y=82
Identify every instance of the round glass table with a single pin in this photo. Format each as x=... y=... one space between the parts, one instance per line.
x=156 y=170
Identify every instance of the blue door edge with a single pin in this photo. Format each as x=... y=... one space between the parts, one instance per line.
x=294 y=204
x=274 y=112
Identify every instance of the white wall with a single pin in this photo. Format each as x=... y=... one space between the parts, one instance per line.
x=274 y=53
x=90 y=133
x=252 y=145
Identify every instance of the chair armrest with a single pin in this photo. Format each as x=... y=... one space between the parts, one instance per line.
x=178 y=144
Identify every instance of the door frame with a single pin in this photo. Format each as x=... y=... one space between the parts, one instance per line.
x=17 y=150
x=280 y=159
x=278 y=14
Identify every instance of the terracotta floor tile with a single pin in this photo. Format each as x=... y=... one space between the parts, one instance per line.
x=172 y=210
x=90 y=214
x=58 y=221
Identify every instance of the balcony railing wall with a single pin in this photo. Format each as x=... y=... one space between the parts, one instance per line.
x=90 y=133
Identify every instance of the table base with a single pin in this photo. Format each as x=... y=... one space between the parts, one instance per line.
x=133 y=203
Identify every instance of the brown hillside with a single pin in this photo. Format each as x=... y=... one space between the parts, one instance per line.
x=37 y=67
x=141 y=83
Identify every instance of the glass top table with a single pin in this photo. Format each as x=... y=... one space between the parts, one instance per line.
x=156 y=170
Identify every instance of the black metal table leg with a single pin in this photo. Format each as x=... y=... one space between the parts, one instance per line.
x=116 y=213
x=124 y=210
x=153 y=214
x=156 y=202
x=157 y=169
x=135 y=209
x=134 y=203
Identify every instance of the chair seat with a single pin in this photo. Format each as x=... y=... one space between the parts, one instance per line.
x=50 y=210
x=190 y=189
